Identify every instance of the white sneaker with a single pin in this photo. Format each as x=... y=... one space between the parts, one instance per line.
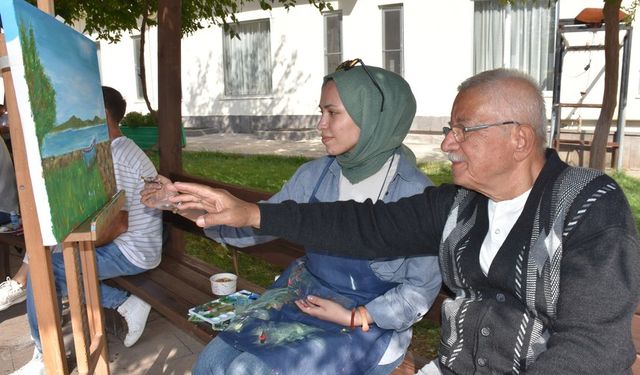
x=11 y=292
x=34 y=367
x=135 y=311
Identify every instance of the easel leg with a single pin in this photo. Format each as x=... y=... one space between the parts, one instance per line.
x=99 y=353
x=87 y=322
x=72 y=272
x=47 y=311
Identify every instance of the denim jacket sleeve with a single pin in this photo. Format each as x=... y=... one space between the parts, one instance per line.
x=406 y=304
x=418 y=277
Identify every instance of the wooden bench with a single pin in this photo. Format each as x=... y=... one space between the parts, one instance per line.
x=181 y=281
x=581 y=145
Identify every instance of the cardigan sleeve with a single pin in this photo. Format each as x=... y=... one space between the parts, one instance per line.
x=599 y=291
x=411 y=226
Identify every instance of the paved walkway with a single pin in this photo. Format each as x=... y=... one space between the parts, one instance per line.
x=425 y=147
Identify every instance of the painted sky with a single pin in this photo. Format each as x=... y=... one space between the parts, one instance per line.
x=69 y=59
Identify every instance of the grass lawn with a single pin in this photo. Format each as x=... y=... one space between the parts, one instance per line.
x=269 y=173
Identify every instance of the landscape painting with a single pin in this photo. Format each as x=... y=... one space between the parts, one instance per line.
x=57 y=82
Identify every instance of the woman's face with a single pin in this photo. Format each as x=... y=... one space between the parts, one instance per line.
x=339 y=133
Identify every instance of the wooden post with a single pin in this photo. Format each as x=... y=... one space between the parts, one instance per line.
x=42 y=283
x=170 y=98
x=169 y=86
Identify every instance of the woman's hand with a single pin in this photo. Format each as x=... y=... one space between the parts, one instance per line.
x=219 y=206
x=326 y=310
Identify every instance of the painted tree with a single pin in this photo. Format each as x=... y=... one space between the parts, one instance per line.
x=42 y=95
x=109 y=19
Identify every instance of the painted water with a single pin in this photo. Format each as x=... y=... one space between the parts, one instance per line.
x=66 y=141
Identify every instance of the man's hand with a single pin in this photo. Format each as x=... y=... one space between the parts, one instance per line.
x=221 y=207
x=326 y=310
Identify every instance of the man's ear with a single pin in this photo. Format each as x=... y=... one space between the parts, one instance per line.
x=524 y=140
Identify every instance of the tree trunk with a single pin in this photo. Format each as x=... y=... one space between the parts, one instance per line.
x=610 y=94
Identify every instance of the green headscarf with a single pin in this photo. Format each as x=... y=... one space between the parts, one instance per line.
x=381 y=133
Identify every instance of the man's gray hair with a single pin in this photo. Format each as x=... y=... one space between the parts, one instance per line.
x=526 y=106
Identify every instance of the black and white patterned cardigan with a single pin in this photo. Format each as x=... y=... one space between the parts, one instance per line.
x=503 y=322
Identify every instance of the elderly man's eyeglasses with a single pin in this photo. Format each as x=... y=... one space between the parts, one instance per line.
x=459 y=132
x=346 y=65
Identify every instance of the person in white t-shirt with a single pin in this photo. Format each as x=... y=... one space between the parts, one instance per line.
x=133 y=246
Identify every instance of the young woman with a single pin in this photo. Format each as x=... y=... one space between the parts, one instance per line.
x=326 y=314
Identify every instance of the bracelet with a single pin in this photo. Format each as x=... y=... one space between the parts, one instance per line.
x=363 y=314
x=353 y=315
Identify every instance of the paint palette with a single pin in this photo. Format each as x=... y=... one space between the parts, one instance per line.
x=221 y=311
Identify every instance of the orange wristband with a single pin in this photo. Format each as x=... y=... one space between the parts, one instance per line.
x=363 y=315
x=353 y=316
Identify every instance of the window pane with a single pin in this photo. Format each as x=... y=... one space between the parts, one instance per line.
x=393 y=61
x=527 y=44
x=532 y=36
x=488 y=46
x=333 y=41
x=333 y=61
x=392 y=29
x=247 y=60
x=136 y=64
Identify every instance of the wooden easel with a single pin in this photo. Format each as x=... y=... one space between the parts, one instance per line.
x=87 y=325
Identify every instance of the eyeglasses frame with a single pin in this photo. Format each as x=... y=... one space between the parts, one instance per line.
x=467 y=129
x=348 y=64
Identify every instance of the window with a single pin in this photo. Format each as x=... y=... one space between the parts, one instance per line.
x=392 y=40
x=332 y=41
x=520 y=36
x=247 y=60
x=99 y=57
x=136 y=64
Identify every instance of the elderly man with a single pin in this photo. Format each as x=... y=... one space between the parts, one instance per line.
x=543 y=258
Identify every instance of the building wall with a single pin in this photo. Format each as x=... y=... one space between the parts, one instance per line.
x=438 y=55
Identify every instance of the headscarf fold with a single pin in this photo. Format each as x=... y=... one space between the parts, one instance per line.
x=381 y=133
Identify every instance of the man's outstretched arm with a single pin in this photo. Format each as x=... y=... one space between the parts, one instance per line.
x=411 y=226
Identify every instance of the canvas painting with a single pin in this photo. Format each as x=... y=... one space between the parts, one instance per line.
x=57 y=82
